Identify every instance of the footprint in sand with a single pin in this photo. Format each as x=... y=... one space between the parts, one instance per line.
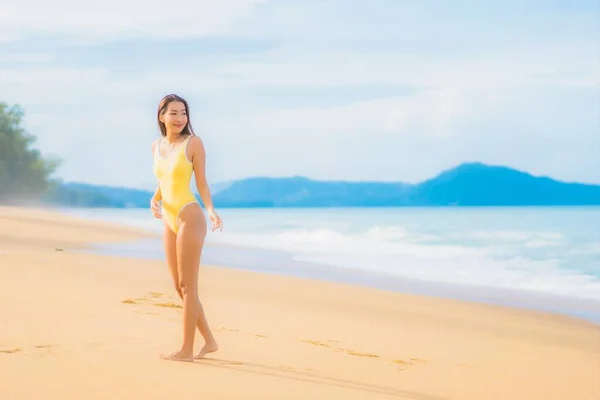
x=360 y=354
x=316 y=343
x=168 y=305
x=223 y=328
x=221 y=362
x=44 y=346
x=256 y=335
x=409 y=362
x=150 y=299
x=350 y=352
x=10 y=351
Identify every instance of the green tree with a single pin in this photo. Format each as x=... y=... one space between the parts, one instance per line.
x=25 y=175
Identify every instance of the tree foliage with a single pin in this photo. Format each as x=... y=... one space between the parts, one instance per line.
x=25 y=175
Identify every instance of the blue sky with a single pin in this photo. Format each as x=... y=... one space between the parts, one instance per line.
x=381 y=90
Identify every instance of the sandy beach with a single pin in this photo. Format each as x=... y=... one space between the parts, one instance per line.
x=75 y=325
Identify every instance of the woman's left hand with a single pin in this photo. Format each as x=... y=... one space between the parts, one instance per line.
x=216 y=221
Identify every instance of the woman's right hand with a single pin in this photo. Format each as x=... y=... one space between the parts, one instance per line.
x=155 y=208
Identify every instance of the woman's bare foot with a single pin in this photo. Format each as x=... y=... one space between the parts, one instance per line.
x=209 y=347
x=179 y=356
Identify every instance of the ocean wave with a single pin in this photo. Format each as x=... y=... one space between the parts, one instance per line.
x=453 y=251
x=397 y=251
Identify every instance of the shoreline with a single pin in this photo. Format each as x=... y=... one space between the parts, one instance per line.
x=282 y=264
x=218 y=256
x=280 y=336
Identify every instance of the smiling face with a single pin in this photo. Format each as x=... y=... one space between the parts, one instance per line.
x=173 y=116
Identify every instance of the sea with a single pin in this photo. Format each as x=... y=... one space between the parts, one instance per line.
x=539 y=258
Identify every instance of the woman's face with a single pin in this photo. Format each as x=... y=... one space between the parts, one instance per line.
x=175 y=117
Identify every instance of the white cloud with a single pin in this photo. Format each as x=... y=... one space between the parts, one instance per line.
x=286 y=68
x=96 y=119
x=432 y=112
x=114 y=19
x=433 y=109
x=31 y=58
x=91 y=109
x=518 y=104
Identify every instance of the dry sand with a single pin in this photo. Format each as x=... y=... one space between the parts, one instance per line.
x=81 y=326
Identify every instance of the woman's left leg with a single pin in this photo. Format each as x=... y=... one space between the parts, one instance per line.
x=190 y=241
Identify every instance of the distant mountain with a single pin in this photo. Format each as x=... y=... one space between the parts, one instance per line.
x=87 y=195
x=469 y=184
x=304 y=192
x=477 y=184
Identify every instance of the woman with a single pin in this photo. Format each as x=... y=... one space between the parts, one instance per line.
x=178 y=154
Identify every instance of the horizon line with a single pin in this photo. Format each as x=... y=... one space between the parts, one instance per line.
x=364 y=181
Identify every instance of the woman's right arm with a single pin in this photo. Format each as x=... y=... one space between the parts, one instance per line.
x=157 y=194
x=157 y=197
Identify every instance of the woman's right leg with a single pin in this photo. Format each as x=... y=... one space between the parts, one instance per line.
x=170 y=243
x=170 y=240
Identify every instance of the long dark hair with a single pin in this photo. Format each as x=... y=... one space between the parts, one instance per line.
x=162 y=107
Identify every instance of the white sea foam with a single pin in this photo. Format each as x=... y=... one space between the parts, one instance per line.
x=395 y=251
x=540 y=258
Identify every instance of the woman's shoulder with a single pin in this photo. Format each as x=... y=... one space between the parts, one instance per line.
x=155 y=143
x=195 y=141
x=195 y=148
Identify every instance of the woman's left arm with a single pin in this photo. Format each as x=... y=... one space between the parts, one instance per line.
x=198 y=156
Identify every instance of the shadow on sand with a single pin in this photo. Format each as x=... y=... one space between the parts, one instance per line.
x=292 y=374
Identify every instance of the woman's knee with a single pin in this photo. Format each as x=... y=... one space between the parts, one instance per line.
x=185 y=288
x=179 y=289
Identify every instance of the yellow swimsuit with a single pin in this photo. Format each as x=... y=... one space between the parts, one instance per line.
x=174 y=173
